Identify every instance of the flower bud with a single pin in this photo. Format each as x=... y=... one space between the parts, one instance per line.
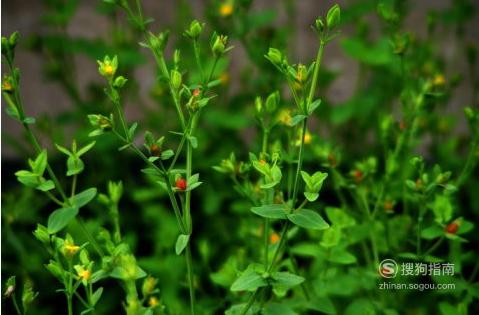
x=176 y=57
x=119 y=82
x=5 y=45
x=148 y=286
x=333 y=17
x=100 y=121
x=181 y=184
x=158 y=43
x=275 y=56
x=319 y=25
x=12 y=41
x=219 y=45
x=175 y=79
x=272 y=101
x=258 y=105
x=7 y=84
x=41 y=234
x=195 y=30
x=108 y=67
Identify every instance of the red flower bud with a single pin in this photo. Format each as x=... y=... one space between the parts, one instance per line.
x=196 y=92
x=181 y=183
x=358 y=176
x=451 y=228
x=155 y=150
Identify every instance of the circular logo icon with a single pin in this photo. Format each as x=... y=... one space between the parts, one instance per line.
x=388 y=268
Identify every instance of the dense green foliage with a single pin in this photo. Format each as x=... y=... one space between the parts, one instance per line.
x=245 y=191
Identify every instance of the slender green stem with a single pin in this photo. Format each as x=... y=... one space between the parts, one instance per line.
x=15 y=304
x=250 y=302
x=317 y=65
x=69 y=290
x=189 y=267
x=434 y=247
x=196 y=48
x=90 y=238
x=53 y=198
x=82 y=300
x=74 y=185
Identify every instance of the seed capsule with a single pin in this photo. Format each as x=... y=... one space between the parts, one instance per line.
x=181 y=183
x=451 y=228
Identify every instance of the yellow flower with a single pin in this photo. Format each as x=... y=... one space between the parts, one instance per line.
x=439 y=80
x=274 y=238
x=153 y=301
x=69 y=248
x=224 y=78
x=84 y=274
x=307 y=138
x=7 y=86
x=285 y=117
x=226 y=9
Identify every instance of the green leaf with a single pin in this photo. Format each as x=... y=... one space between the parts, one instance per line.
x=312 y=107
x=341 y=256
x=181 y=243
x=311 y=196
x=74 y=165
x=193 y=141
x=339 y=217
x=277 y=309
x=442 y=208
x=297 y=119
x=131 y=131
x=165 y=155
x=308 y=219
x=85 y=149
x=331 y=237
x=83 y=198
x=97 y=295
x=333 y=17
x=29 y=120
x=40 y=163
x=432 y=232
x=286 y=279
x=275 y=211
x=27 y=178
x=46 y=186
x=60 y=218
x=248 y=281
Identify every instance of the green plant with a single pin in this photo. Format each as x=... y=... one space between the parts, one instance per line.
x=314 y=194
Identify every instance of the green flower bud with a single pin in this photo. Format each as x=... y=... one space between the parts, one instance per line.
x=5 y=45
x=319 y=25
x=275 y=56
x=258 y=105
x=119 y=82
x=41 y=234
x=175 y=77
x=176 y=57
x=28 y=295
x=301 y=74
x=115 y=190
x=12 y=41
x=149 y=285
x=10 y=285
x=102 y=122
x=195 y=30
x=272 y=101
x=158 y=43
x=219 y=45
x=333 y=17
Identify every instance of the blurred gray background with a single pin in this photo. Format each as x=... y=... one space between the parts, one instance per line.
x=41 y=96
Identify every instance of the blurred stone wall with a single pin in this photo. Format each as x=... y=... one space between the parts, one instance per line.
x=42 y=96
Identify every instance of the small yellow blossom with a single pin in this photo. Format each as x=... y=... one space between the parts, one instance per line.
x=226 y=9
x=307 y=138
x=7 y=86
x=224 y=78
x=285 y=117
x=84 y=274
x=274 y=238
x=69 y=248
x=439 y=80
x=153 y=301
